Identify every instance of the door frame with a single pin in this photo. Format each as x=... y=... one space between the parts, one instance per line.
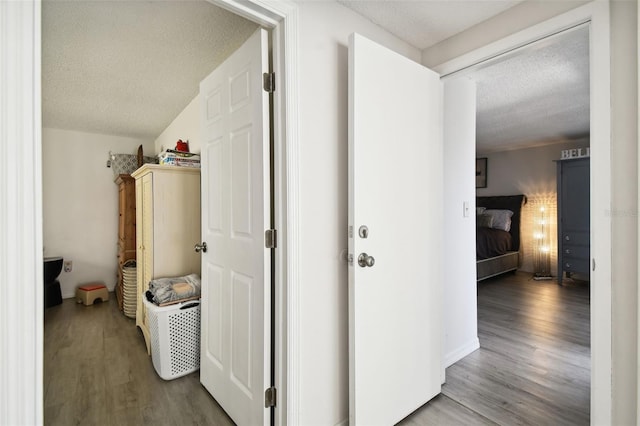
x=597 y=14
x=21 y=306
x=281 y=17
x=21 y=215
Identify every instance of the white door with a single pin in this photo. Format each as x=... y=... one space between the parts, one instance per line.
x=396 y=192
x=235 y=355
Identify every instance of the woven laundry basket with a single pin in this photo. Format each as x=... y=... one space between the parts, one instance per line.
x=129 y=288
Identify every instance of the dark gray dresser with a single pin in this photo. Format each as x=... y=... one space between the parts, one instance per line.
x=573 y=217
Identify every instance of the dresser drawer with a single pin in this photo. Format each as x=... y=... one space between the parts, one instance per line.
x=573 y=251
x=575 y=265
x=579 y=238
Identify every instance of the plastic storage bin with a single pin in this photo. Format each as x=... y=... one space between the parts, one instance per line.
x=175 y=338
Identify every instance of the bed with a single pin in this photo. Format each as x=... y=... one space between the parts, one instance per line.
x=498 y=234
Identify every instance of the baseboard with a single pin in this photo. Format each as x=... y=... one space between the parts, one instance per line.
x=68 y=295
x=459 y=353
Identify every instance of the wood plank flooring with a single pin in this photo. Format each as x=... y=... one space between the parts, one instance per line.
x=97 y=372
x=532 y=367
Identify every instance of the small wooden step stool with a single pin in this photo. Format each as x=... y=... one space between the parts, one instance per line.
x=89 y=293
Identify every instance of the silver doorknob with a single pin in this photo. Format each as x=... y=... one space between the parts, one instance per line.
x=200 y=247
x=365 y=260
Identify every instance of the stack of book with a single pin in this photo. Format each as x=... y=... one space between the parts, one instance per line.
x=171 y=157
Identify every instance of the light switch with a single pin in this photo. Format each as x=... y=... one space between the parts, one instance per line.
x=465 y=209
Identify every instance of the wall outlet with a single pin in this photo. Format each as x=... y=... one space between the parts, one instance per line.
x=68 y=266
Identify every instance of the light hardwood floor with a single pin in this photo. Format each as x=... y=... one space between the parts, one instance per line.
x=97 y=372
x=532 y=367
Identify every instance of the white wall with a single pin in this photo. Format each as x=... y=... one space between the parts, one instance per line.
x=185 y=126
x=460 y=301
x=324 y=30
x=624 y=121
x=530 y=171
x=80 y=203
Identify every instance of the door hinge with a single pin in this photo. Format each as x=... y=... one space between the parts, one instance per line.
x=269 y=82
x=270 y=397
x=271 y=238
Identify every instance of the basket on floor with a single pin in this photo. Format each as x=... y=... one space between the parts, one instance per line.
x=129 y=288
x=175 y=338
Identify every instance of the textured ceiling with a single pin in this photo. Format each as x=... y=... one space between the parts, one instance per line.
x=536 y=97
x=423 y=23
x=129 y=67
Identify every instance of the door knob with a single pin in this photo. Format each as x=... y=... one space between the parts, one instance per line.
x=200 y=247
x=365 y=260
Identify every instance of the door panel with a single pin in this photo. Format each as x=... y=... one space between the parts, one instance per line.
x=235 y=361
x=395 y=190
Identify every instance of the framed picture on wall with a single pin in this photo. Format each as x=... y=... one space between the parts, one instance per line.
x=481 y=172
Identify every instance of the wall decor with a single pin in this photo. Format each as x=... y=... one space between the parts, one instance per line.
x=575 y=153
x=481 y=172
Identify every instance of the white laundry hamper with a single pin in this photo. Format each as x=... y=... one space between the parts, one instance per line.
x=175 y=338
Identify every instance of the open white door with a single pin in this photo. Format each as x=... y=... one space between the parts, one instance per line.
x=235 y=355
x=396 y=235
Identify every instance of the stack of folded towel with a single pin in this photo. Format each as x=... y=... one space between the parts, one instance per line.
x=165 y=291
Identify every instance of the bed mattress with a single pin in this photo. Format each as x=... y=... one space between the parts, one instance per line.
x=492 y=242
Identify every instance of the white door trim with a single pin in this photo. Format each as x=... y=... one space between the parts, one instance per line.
x=21 y=292
x=597 y=13
x=281 y=16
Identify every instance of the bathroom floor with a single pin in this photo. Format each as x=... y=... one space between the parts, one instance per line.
x=97 y=372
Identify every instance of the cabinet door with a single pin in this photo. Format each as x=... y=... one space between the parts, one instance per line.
x=147 y=242
x=128 y=211
x=122 y=200
x=575 y=196
x=176 y=222
x=143 y=196
x=147 y=230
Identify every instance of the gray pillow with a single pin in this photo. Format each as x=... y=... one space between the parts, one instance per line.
x=501 y=218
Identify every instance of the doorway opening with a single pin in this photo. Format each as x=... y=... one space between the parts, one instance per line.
x=546 y=89
x=275 y=17
x=599 y=113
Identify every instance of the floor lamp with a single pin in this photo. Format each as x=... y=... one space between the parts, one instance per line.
x=542 y=255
